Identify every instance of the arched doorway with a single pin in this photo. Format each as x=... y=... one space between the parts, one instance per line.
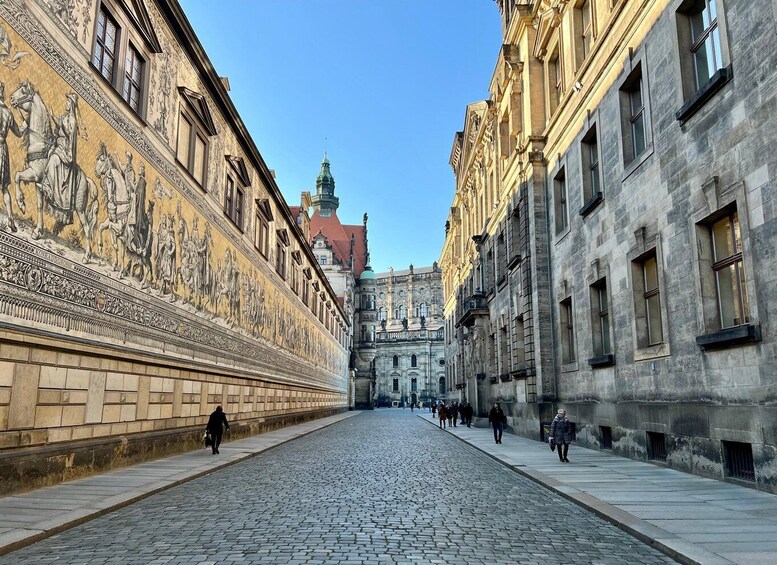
x=414 y=398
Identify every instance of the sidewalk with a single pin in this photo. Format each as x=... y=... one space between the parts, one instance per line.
x=690 y=518
x=32 y=516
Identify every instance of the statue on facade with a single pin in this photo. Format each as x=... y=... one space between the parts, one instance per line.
x=404 y=323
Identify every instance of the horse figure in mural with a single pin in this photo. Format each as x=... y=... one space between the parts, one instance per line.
x=117 y=204
x=52 y=165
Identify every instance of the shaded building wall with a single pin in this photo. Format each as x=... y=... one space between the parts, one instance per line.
x=130 y=302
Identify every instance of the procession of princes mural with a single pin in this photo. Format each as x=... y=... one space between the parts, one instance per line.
x=113 y=213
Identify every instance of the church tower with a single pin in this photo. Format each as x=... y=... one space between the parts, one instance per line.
x=325 y=200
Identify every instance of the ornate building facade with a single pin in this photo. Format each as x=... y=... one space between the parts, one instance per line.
x=149 y=267
x=610 y=244
x=409 y=366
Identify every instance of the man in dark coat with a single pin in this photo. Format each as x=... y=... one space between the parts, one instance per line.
x=561 y=434
x=468 y=411
x=441 y=413
x=454 y=412
x=216 y=424
x=497 y=419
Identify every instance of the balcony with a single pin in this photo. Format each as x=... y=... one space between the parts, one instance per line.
x=411 y=335
x=471 y=308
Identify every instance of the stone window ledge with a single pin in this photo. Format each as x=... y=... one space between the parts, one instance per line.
x=514 y=262
x=637 y=162
x=652 y=352
x=592 y=204
x=730 y=337
x=607 y=360
x=704 y=94
x=569 y=367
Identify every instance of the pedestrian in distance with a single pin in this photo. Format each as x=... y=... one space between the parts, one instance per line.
x=462 y=413
x=216 y=424
x=449 y=414
x=468 y=411
x=455 y=412
x=497 y=419
x=442 y=414
x=412 y=406
x=561 y=434
x=434 y=410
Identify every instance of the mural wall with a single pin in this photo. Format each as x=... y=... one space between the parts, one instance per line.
x=103 y=239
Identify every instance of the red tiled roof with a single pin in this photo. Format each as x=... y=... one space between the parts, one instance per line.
x=339 y=237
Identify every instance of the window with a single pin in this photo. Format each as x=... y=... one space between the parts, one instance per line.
x=739 y=460
x=305 y=292
x=729 y=271
x=280 y=259
x=192 y=147
x=584 y=30
x=567 y=331
x=133 y=78
x=105 y=44
x=656 y=446
x=555 y=80
x=652 y=298
x=233 y=202
x=605 y=441
x=705 y=40
x=262 y=234
x=601 y=318
x=441 y=387
x=413 y=360
x=592 y=184
x=395 y=361
x=395 y=385
x=414 y=385
x=634 y=116
x=382 y=314
x=560 y=201
x=422 y=310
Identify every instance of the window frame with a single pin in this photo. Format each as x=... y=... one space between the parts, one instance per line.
x=197 y=131
x=590 y=148
x=636 y=74
x=736 y=260
x=126 y=36
x=567 y=329
x=234 y=201
x=561 y=201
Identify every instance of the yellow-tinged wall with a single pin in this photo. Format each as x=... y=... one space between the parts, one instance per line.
x=96 y=345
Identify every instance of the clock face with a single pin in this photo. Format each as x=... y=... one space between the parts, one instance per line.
x=401 y=293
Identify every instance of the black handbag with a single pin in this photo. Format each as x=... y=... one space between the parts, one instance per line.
x=552 y=445
x=208 y=440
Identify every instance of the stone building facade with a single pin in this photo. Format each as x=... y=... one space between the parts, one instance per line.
x=614 y=226
x=149 y=267
x=409 y=362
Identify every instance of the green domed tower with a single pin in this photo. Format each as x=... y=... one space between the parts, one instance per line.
x=325 y=200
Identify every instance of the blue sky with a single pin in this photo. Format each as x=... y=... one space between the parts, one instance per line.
x=385 y=81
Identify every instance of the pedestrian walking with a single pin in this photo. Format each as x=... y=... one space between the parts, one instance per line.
x=462 y=413
x=449 y=414
x=561 y=434
x=455 y=412
x=468 y=411
x=216 y=424
x=442 y=414
x=497 y=419
x=434 y=410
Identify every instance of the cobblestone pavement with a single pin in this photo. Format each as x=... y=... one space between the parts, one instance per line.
x=382 y=487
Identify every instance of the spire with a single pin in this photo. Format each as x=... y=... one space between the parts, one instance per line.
x=325 y=200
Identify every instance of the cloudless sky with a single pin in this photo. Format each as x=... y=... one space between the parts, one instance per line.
x=385 y=81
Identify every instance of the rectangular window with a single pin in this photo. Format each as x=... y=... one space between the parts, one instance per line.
x=739 y=460
x=637 y=118
x=233 y=202
x=567 y=331
x=198 y=162
x=560 y=201
x=584 y=30
x=280 y=261
x=656 y=446
x=652 y=299
x=133 y=78
x=592 y=184
x=395 y=385
x=105 y=47
x=729 y=271
x=414 y=385
x=184 y=136
x=705 y=40
x=262 y=235
x=555 y=79
x=601 y=318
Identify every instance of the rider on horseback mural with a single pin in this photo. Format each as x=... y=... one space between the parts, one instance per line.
x=59 y=181
x=7 y=123
x=137 y=220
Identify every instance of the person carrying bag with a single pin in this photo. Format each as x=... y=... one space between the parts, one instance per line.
x=215 y=428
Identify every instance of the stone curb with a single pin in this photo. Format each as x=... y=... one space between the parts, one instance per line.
x=36 y=535
x=665 y=542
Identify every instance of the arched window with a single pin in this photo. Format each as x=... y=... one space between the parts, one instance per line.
x=442 y=385
x=401 y=312
x=395 y=361
x=382 y=314
x=413 y=360
x=422 y=310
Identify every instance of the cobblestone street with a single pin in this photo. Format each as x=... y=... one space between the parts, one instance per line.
x=382 y=487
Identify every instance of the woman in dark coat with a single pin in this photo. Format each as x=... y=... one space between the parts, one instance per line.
x=497 y=419
x=561 y=434
x=216 y=424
